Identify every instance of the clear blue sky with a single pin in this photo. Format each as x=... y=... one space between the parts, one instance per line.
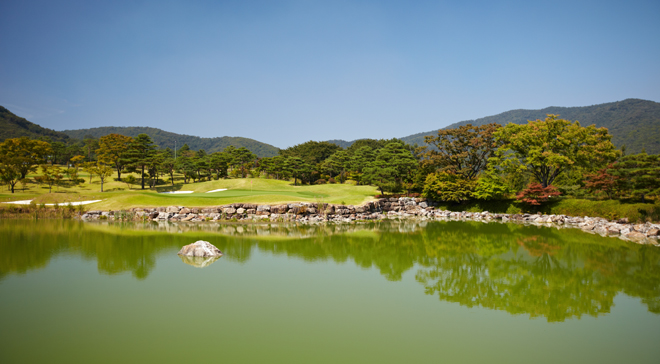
x=284 y=72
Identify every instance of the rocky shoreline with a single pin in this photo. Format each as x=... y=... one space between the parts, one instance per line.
x=392 y=208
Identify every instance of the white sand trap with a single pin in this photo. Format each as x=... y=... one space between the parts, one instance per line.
x=75 y=203
x=178 y=192
x=221 y=189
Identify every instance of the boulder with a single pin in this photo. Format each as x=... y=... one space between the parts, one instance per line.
x=200 y=248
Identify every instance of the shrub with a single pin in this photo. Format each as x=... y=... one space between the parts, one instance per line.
x=445 y=186
x=513 y=210
x=535 y=194
x=332 y=180
x=321 y=181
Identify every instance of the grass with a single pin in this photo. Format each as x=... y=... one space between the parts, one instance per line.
x=252 y=190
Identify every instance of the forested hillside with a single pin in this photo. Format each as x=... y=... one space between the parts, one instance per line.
x=12 y=126
x=632 y=122
x=165 y=139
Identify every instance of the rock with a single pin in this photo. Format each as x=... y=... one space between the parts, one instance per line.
x=653 y=232
x=623 y=221
x=200 y=248
x=174 y=209
x=635 y=235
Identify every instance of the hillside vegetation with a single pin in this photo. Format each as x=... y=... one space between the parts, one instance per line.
x=165 y=139
x=632 y=122
x=12 y=126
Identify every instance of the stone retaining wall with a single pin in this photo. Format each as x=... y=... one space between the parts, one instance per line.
x=392 y=208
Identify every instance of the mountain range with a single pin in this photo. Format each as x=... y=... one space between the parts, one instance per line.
x=166 y=139
x=634 y=123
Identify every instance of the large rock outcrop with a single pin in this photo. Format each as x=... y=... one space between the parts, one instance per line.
x=200 y=248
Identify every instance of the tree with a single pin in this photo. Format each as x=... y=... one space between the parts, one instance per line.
x=639 y=173
x=463 y=151
x=602 y=181
x=535 y=194
x=336 y=165
x=448 y=186
x=51 y=175
x=129 y=180
x=549 y=147
x=23 y=154
x=9 y=173
x=240 y=158
x=103 y=171
x=142 y=150
x=312 y=152
x=394 y=163
x=112 y=150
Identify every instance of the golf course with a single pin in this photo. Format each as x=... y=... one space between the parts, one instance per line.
x=118 y=195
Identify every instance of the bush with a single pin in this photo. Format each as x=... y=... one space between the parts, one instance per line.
x=321 y=181
x=332 y=181
x=513 y=210
x=448 y=187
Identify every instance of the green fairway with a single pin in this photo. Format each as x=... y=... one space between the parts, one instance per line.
x=252 y=190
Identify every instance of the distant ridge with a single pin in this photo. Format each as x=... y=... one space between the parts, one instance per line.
x=165 y=139
x=634 y=123
x=12 y=126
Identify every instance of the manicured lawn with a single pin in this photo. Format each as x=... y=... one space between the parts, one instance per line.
x=253 y=190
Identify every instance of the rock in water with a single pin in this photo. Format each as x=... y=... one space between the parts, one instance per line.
x=200 y=248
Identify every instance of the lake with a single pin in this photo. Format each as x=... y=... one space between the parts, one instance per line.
x=389 y=292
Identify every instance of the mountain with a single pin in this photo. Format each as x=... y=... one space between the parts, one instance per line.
x=166 y=139
x=632 y=122
x=12 y=126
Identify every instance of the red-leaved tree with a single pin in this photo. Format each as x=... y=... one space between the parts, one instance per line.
x=535 y=194
x=602 y=181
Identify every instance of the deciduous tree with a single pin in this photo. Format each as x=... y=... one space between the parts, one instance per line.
x=546 y=148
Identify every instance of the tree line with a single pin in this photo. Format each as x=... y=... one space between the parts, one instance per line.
x=533 y=162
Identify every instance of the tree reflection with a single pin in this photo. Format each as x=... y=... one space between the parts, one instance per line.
x=540 y=272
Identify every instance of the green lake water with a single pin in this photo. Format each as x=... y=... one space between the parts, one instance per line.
x=397 y=292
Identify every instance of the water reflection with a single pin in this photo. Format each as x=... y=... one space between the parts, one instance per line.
x=540 y=272
x=198 y=262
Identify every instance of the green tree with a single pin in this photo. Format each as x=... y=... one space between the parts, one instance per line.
x=51 y=175
x=393 y=165
x=23 y=154
x=639 y=174
x=546 y=148
x=312 y=152
x=141 y=151
x=101 y=170
x=336 y=165
x=113 y=149
x=448 y=186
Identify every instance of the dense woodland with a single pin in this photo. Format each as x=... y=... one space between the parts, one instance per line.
x=533 y=162
x=170 y=140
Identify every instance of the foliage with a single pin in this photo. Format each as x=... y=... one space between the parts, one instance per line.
x=491 y=186
x=639 y=174
x=447 y=186
x=113 y=149
x=51 y=175
x=393 y=165
x=602 y=181
x=463 y=151
x=549 y=147
x=535 y=194
x=312 y=152
x=24 y=154
x=167 y=139
x=140 y=154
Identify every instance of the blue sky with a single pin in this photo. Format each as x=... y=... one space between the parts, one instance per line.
x=284 y=72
